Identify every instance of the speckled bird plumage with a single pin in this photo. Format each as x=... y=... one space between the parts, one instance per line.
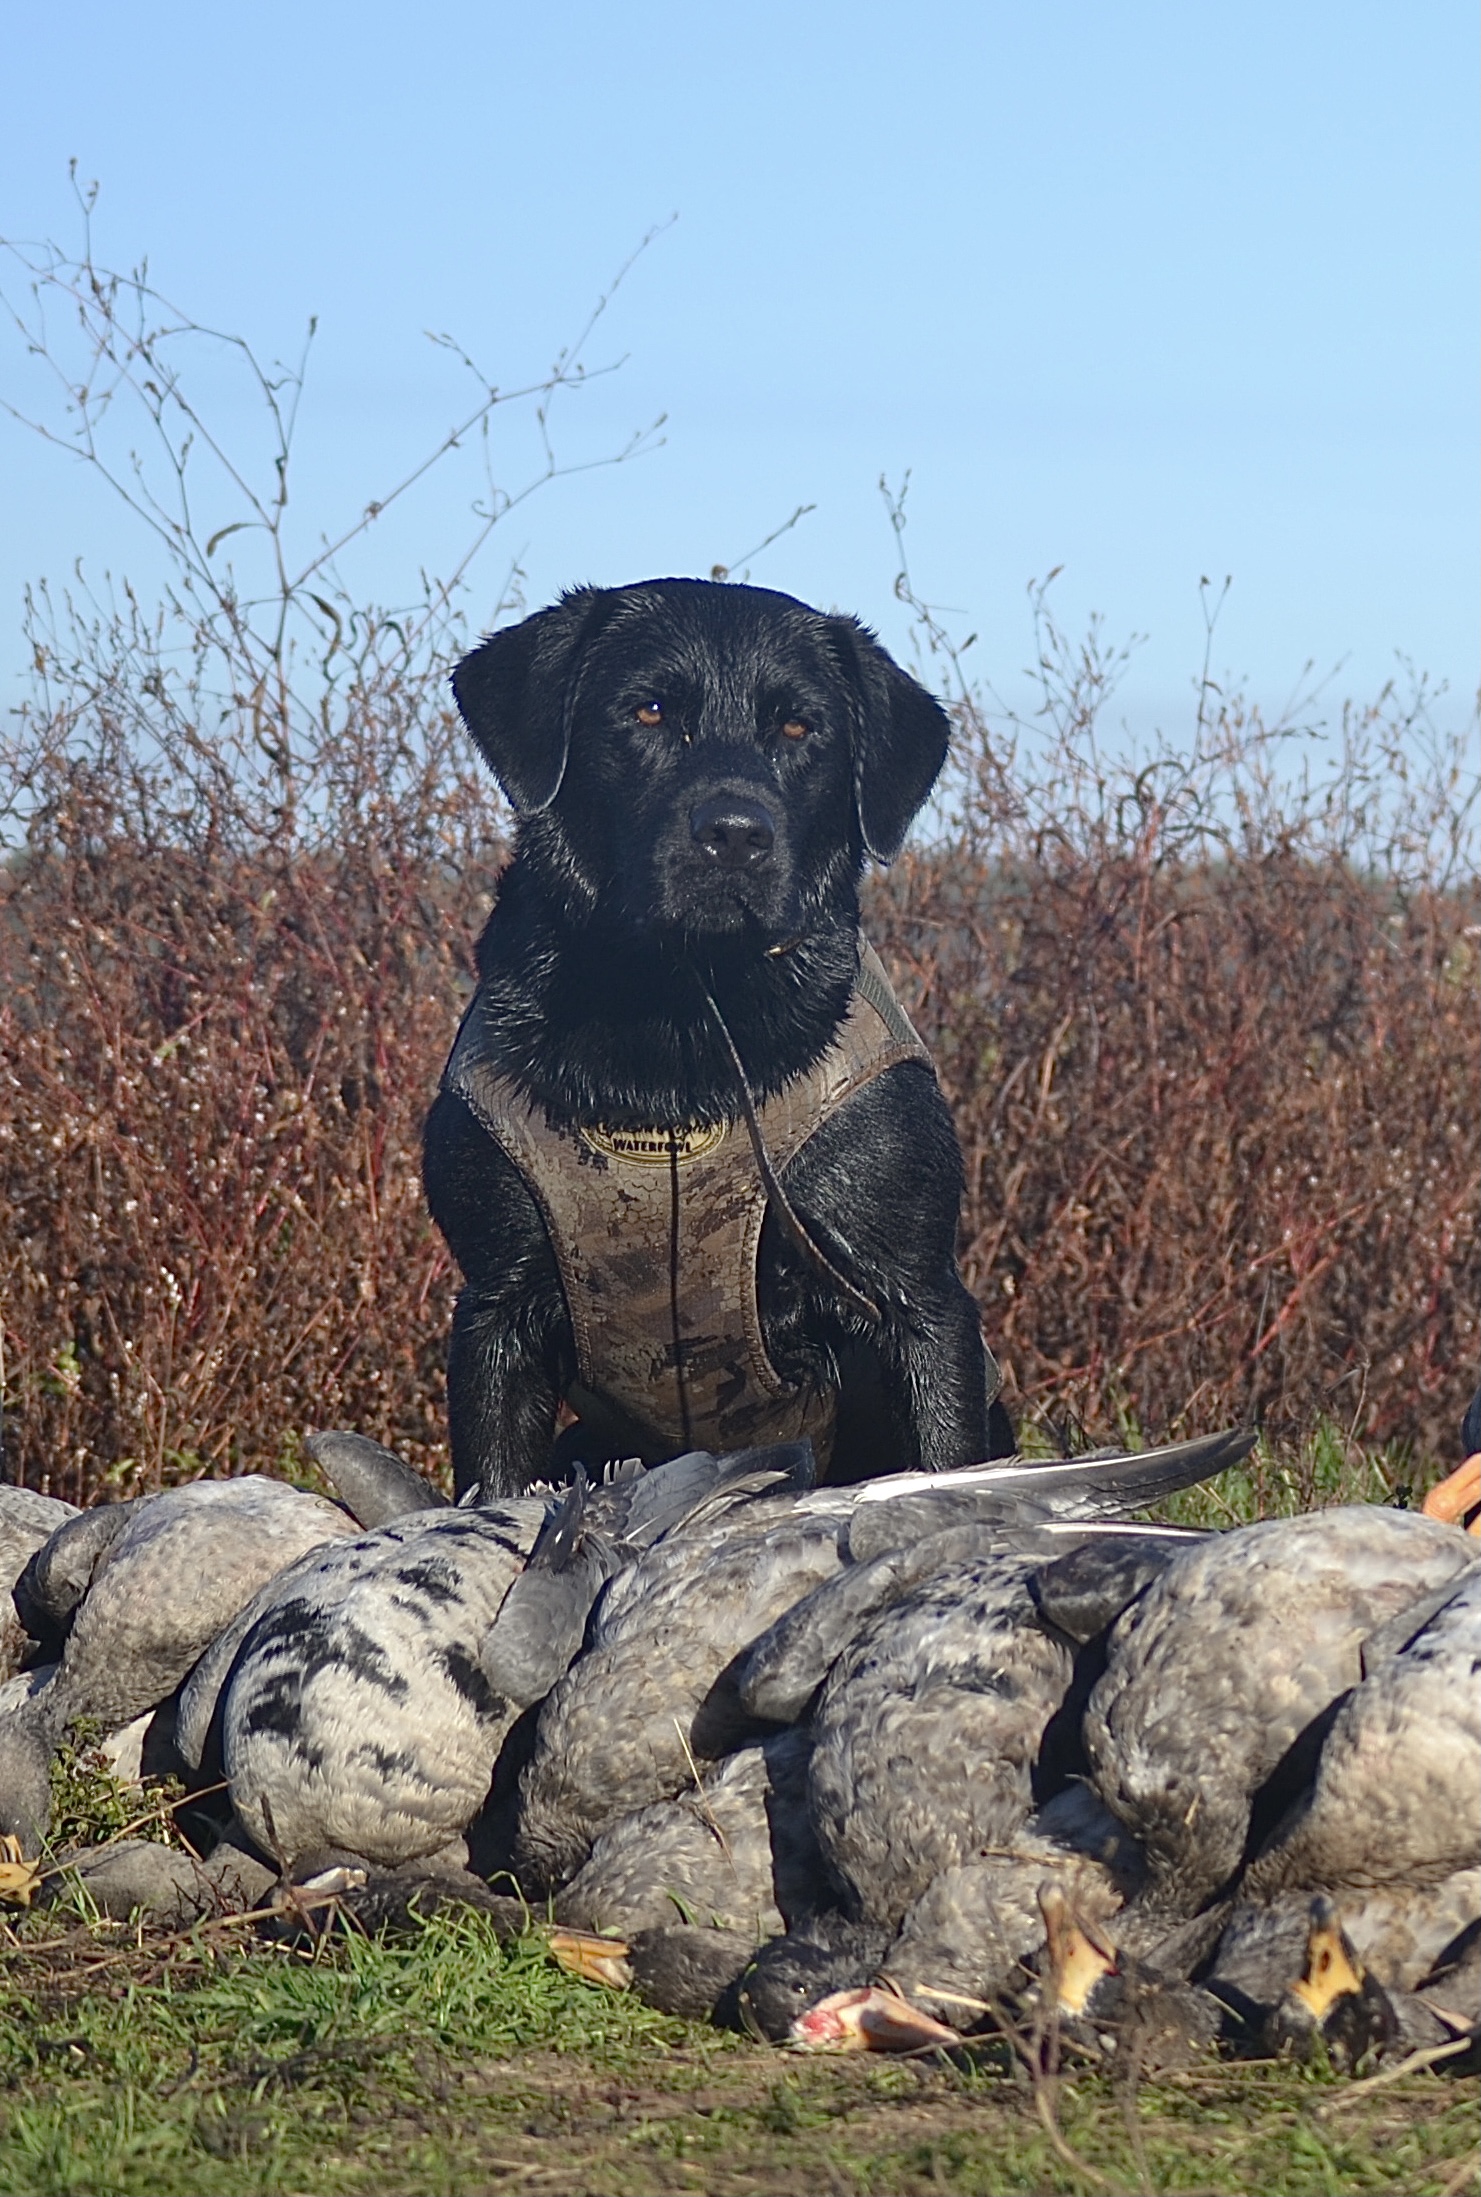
x=926 y=1733
x=1227 y=1660
x=146 y=1589
x=736 y=1853
x=357 y=1715
x=654 y=1692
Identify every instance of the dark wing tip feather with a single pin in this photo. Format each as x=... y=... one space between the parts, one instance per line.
x=1112 y=1483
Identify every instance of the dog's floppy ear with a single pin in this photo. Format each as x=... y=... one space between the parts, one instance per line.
x=900 y=739
x=516 y=694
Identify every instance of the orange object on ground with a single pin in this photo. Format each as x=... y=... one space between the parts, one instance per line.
x=1451 y=1500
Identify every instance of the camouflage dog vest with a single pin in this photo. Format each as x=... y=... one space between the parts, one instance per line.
x=656 y=1230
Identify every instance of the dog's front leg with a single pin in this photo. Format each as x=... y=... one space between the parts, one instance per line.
x=501 y=1402
x=511 y=1355
x=881 y=1184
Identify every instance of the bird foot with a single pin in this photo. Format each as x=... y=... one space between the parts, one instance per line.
x=593 y=1959
x=1454 y=1500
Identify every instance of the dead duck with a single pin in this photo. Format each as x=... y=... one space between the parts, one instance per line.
x=139 y=1590
x=1181 y=1733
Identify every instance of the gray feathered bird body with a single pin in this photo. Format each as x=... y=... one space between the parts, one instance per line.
x=927 y=1732
x=357 y=1714
x=1229 y=1658
x=1396 y=1799
x=655 y=1691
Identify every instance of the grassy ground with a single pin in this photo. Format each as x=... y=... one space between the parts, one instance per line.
x=445 y=2064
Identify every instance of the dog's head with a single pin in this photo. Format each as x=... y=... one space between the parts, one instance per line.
x=702 y=757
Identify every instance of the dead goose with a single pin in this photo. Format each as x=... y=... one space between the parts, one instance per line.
x=735 y=1854
x=1402 y=1935
x=131 y=1876
x=653 y=1694
x=1083 y=1577
x=657 y=1687
x=1336 y=2002
x=974 y=1931
x=592 y=1533
x=967 y=1936
x=928 y=1730
x=1112 y=2004
x=536 y=1632
x=1182 y=1729
x=147 y=1587
x=1391 y=1824
x=26 y=1521
x=1103 y=1485
x=60 y=1568
x=373 y=1483
x=688 y=1969
x=967 y=1942
x=356 y=1715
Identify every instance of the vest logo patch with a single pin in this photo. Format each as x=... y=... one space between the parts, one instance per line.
x=652 y=1147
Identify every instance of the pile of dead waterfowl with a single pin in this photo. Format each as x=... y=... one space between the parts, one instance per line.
x=872 y=1767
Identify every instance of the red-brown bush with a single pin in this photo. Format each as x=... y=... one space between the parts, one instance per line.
x=1219 y=1115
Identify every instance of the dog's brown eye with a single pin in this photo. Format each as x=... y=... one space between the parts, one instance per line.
x=796 y=728
x=649 y=712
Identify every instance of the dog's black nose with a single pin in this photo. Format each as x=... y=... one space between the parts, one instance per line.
x=733 y=831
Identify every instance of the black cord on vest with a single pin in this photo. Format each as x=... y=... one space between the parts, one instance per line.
x=684 y=1419
x=785 y=1211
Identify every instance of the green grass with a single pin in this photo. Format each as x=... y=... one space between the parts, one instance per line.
x=90 y=1804
x=1281 y=1480
x=444 y=2063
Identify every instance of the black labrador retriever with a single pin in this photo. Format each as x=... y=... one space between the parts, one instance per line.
x=688 y=1152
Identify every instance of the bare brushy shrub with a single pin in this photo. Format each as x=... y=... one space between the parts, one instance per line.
x=247 y=839
x=1206 y=1015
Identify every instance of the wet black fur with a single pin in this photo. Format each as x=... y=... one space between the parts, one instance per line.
x=612 y=922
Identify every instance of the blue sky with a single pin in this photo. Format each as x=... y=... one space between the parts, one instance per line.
x=1145 y=291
